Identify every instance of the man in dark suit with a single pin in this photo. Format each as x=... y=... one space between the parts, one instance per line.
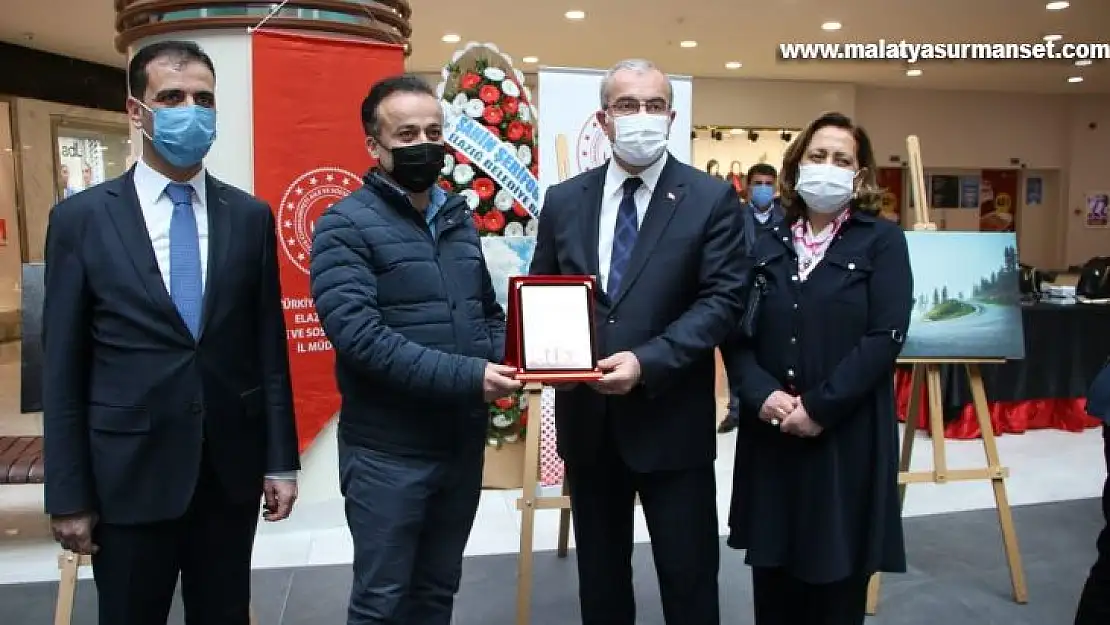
x=1094 y=603
x=664 y=241
x=167 y=400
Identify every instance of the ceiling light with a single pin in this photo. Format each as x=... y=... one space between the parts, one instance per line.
x=831 y=26
x=531 y=59
x=913 y=73
x=734 y=65
x=451 y=38
x=737 y=131
x=575 y=15
x=688 y=44
x=1075 y=79
x=1057 y=6
x=1083 y=62
x=1053 y=37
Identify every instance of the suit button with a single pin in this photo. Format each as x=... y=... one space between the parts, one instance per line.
x=794 y=278
x=790 y=373
x=795 y=307
x=611 y=320
x=793 y=340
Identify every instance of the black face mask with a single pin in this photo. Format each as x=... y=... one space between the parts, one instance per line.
x=416 y=167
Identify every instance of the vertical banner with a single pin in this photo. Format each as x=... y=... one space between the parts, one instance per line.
x=572 y=141
x=998 y=193
x=308 y=154
x=891 y=181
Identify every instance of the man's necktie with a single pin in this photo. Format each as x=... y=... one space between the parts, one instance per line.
x=624 y=236
x=186 y=284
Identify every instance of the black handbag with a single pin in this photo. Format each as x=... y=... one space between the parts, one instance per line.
x=752 y=303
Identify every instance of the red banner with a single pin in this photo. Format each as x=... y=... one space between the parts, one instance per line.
x=890 y=180
x=998 y=193
x=309 y=153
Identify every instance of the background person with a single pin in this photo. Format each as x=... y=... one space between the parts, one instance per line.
x=664 y=240
x=815 y=498
x=404 y=295
x=166 y=385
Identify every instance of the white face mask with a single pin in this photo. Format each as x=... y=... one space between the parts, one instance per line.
x=641 y=138
x=825 y=188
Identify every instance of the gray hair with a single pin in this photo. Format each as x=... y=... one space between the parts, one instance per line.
x=639 y=66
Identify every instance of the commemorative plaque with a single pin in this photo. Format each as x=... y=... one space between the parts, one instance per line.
x=550 y=329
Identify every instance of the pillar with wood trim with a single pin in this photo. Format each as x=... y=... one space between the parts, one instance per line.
x=223 y=29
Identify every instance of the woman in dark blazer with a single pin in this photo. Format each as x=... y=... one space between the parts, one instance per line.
x=815 y=497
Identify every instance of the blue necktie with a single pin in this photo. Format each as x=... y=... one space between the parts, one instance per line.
x=624 y=236
x=186 y=284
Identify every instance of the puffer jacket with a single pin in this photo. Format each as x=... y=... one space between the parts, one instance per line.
x=413 y=318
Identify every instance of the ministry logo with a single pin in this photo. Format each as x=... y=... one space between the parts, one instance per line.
x=312 y=193
x=592 y=148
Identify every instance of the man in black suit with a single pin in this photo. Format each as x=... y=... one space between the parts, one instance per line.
x=664 y=241
x=167 y=401
x=1094 y=603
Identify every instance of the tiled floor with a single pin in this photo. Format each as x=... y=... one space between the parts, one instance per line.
x=1046 y=466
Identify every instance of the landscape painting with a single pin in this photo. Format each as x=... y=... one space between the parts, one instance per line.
x=967 y=304
x=507 y=257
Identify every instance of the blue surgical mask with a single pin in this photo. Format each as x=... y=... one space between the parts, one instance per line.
x=183 y=135
x=762 y=195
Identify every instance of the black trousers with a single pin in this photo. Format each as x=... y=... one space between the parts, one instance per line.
x=1094 y=603
x=209 y=548
x=410 y=518
x=781 y=599
x=681 y=512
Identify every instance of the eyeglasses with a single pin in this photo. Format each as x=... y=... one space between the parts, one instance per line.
x=632 y=106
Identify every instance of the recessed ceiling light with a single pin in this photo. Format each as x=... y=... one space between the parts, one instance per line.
x=1053 y=37
x=1075 y=79
x=1057 y=6
x=734 y=65
x=451 y=38
x=736 y=131
x=688 y=44
x=531 y=59
x=575 y=15
x=913 y=72
x=1083 y=62
x=831 y=26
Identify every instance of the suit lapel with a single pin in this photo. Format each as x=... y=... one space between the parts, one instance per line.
x=664 y=199
x=127 y=216
x=592 y=188
x=219 y=240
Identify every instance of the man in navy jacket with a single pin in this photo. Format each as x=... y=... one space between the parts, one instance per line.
x=404 y=295
x=1094 y=604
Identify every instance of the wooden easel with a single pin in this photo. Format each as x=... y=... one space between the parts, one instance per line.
x=927 y=371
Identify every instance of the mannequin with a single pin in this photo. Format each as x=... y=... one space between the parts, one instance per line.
x=713 y=168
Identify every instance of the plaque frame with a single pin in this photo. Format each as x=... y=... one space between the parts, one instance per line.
x=514 y=331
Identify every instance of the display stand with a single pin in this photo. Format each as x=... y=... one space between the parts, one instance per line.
x=927 y=371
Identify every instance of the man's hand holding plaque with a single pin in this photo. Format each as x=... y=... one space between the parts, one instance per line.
x=621 y=374
x=499 y=382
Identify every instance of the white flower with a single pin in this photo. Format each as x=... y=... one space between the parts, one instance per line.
x=460 y=100
x=503 y=200
x=519 y=75
x=525 y=113
x=501 y=421
x=531 y=227
x=448 y=165
x=511 y=438
x=475 y=108
x=464 y=174
x=514 y=229
x=524 y=155
x=494 y=74
x=510 y=88
x=471 y=196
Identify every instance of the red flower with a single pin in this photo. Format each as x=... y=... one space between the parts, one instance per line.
x=484 y=187
x=446 y=185
x=489 y=94
x=504 y=403
x=515 y=131
x=493 y=115
x=528 y=132
x=469 y=80
x=519 y=209
x=496 y=130
x=461 y=158
x=495 y=221
x=479 y=222
x=535 y=169
x=511 y=105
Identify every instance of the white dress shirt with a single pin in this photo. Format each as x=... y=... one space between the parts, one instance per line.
x=611 y=197
x=157 y=209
